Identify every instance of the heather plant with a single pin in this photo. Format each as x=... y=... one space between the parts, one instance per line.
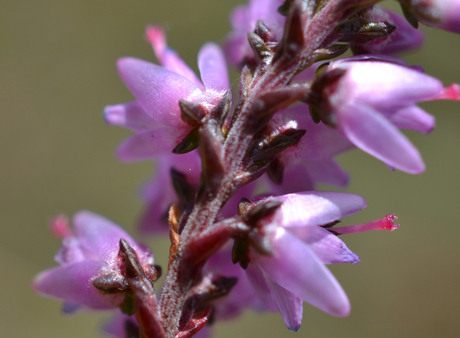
x=237 y=168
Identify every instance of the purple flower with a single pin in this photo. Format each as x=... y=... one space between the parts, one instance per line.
x=89 y=253
x=373 y=98
x=159 y=193
x=243 y=19
x=120 y=325
x=155 y=116
x=242 y=295
x=404 y=38
x=443 y=14
x=302 y=242
x=312 y=158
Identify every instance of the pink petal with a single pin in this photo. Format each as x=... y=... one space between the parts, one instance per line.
x=242 y=295
x=405 y=38
x=291 y=182
x=447 y=15
x=267 y=11
x=72 y=283
x=296 y=268
x=312 y=208
x=326 y=246
x=70 y=308
x=70 y=251
x=383 y=85
x=373 y=133
x=115 y=326
x=327 y=171
x=156 y=89
x=168 y=57
x=101 y=236
x=370 y=57
x=129 y=115
x=213 y=67
x=257 y=279
x=238 y=17
x=287 y=303
x=237 y=48
x=154 y=217
x=149 y=144
x=159 y=192
x=319 y=142
x=413 y=118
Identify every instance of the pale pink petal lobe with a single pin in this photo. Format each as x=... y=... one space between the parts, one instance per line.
x=101 y=236
x=156 y=89
x=149 y=144
x=296 y=268
x=129 y=115
x=326 y=246
x=213 y=67
x=72 y=283
x=413 y=118
x=312 y=208
x=287 y=303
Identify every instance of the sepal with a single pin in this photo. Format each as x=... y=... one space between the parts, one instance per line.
x=184 y=191
x=211 y=163
x=329 y=53
x=359 y=30
x=192 y=113
x=408 y=14
x=275 y=171
x=189 y=143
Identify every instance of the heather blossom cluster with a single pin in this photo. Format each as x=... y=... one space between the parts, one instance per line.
x=237 y=168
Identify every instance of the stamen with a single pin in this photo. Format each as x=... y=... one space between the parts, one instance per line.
x=386 y=223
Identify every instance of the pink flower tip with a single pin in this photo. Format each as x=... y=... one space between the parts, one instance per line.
x=390 y=220
x=155 y=35
x=60 y=226
x=450 y=93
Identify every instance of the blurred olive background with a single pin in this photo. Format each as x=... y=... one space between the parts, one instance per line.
x=57 y=72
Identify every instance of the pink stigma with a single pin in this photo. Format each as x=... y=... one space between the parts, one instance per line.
x=450 y=93
x=386 y=223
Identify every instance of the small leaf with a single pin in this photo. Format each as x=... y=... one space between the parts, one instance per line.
x=275 y=171
x=189 y=143
x=240 y=247
x=184 y=191
x=128 y=304
x=211 y=164
x=293 y=38
x=274 y=146
x=330 y=52
x=410 y=17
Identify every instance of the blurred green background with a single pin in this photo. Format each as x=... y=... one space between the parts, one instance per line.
x=57 y=72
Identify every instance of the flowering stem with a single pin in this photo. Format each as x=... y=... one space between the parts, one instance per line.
x=304 y=33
